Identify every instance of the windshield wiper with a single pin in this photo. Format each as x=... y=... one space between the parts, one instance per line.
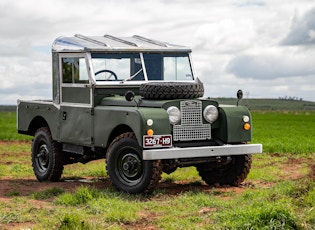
x=133 y=76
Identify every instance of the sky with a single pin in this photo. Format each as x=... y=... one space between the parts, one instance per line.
x=264 y=47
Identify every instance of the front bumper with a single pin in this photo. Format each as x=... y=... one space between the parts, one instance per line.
x=204 y=151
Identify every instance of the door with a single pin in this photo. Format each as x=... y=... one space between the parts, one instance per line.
x=76 y=101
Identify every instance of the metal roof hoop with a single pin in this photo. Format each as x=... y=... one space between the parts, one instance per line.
x=120 y=40
x=154 y=42
x=90 y=40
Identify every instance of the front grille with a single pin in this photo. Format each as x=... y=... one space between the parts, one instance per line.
x=191 y=127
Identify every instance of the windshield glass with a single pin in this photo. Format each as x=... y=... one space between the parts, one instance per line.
x=117 y=67
x=168 y=67
x=128 y=67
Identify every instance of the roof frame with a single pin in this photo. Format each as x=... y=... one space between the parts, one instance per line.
x=154 y=42
x=120 y=40
x=90 y=40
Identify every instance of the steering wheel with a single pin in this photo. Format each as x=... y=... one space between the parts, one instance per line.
x=107 y=71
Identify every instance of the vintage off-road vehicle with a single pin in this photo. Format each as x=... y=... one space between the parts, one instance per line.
x=137 y=103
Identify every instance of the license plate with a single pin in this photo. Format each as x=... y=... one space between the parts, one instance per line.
x=157 y=141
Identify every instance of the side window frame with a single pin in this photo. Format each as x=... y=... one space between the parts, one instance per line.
x=82 y=85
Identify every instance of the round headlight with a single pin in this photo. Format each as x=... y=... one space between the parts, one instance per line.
x=211 y=113
x=173 y=114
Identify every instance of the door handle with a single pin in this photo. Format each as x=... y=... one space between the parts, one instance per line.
x=64 y=116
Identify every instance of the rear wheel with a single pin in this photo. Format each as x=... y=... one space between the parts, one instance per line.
x=126 y=169
x=47 y=158
x=233 y=173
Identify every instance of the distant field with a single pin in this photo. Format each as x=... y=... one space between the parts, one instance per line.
x=7 y=108
x=269 y=104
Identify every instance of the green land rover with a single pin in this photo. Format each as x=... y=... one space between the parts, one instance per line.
x=137 y=103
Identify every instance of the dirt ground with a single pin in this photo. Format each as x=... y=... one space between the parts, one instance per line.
x=28 y=185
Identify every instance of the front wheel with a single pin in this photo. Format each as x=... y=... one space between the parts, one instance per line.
x=232 y=173
x=47 y=158
x=126 y=169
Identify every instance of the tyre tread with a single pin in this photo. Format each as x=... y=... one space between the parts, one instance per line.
x=171 y=90
x=57 y=158
x=234 y=177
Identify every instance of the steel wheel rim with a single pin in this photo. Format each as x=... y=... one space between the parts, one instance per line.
x=129 y=167
x=42 y=157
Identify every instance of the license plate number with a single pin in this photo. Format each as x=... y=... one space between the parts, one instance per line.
x=157 y=141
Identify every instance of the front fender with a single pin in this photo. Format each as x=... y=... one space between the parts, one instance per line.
x=108 y=118
x=231 y=125
x=159 y=116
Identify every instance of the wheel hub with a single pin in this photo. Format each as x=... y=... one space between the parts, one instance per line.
x=128 y=166
x=131 y=167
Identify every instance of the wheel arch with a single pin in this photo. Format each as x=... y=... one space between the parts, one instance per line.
x=37 y=123
x=112 y=121
x=118 y=130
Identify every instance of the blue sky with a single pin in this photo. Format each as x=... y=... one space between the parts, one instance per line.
x=266 y=48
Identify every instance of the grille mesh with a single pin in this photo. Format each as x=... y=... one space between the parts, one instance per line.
x=191 y=112
x=191 y=127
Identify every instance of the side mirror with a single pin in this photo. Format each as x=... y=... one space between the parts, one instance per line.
x=129 y=95
x=239 y=95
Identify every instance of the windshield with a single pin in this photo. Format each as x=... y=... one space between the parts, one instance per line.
x=168 y=67
x=117 y=67
x=129 y=67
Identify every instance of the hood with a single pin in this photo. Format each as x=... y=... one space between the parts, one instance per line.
x=141 y=102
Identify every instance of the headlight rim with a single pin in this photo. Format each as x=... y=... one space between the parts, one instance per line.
x=215 y=113
x=171 y=114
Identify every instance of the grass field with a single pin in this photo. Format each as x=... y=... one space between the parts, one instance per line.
x=279 y=192
x=8 y=127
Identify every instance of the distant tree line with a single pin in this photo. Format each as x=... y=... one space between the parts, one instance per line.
x=288 y=98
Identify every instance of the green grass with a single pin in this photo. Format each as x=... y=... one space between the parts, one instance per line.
x=288 y=205
x=285 y=132
x=8 y=127
x=270 y=198
x=95 y=169
x=13 y=157
x=283 y=205
x=43 y=195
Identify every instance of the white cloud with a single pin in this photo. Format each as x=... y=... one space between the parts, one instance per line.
x=235 y=44
x=274 y=62
x=226 y=35
x=302 y=30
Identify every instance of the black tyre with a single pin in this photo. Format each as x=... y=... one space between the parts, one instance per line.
x=126 y=169
x=233 y=173
x=47 y=158
x=171 y=90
